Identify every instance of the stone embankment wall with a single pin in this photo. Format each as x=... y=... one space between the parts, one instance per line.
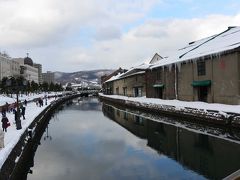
x=190 y=114
x=11 y=167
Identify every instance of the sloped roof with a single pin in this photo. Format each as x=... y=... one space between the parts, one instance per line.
x=213 y=45
x=155 y=58
x=113 y=78
x=140 y=69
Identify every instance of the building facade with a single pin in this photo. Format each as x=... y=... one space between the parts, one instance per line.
x=27 y=70
x=48 y=77
x=193 y=76
x=160 y=83
x=213 y=80
x=8 y=67
x=39 y=67
x=107 y=88
x=206 y=70
x=131 y=84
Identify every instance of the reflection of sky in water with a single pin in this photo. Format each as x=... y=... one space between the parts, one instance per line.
x=87 y=145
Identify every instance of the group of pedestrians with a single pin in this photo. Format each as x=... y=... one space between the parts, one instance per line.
x=8 y=109
x=13 y=108
x=39 y=102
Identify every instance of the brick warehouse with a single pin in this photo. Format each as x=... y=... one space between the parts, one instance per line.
x=206 y=70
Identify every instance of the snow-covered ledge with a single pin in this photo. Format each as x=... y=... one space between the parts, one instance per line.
x=206 y=110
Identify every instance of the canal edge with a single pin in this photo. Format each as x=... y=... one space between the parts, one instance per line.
x=15 y=157
x=190 y=115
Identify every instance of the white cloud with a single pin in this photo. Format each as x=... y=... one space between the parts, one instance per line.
x=39 y=23
x=160 y=36
x=49 y=30
x=108 y=33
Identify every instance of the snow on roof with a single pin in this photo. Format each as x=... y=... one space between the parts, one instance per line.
x=132 y=74
x=213 y=45
x=142 y=66
x=155 y=58
x=113 y=78
x=132 y=71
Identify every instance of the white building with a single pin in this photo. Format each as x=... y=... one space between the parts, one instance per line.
x=8 y=67
x=27 y=70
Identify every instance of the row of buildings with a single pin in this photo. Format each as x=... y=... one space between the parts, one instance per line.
x=205 y=70
x=24 y=67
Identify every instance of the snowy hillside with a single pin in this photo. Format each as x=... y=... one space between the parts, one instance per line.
x=88 y=77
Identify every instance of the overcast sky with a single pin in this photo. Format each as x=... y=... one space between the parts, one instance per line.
x=74 y=35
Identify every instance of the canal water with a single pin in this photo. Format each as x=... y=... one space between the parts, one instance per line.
x=88 y=139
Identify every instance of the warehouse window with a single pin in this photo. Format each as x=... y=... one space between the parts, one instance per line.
x=201 y=68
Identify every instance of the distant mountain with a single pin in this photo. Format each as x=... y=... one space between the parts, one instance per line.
x=88 y=77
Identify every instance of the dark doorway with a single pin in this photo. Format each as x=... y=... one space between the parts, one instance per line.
x=202 y=93
x=159 y=93
x=137 y=91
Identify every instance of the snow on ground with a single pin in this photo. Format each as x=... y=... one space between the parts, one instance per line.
x=12 y=136
x=222 y=108
x=22 y=97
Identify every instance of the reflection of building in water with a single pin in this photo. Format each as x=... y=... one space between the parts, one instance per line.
x=86 y=104
x=212 y=157
x=162 y=138
x=135 y=124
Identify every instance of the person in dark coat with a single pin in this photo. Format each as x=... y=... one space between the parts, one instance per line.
x=40 y=102
x=4 y=123
x=23 y=111
x=25 y=102
x=15 y=114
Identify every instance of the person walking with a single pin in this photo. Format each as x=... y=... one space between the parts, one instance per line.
x=15 y=115
x=23 y=111
x=5 y=123
x=25 y=102
x=40 y=102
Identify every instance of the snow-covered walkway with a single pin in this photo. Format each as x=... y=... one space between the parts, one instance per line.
x=12 y=136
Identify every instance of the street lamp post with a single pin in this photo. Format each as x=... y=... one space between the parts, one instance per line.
x=13 y=85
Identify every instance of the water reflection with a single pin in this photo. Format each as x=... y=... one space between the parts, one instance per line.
x=85 y=144
x=210 y=156
x=47 y=135
x=84 y=104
